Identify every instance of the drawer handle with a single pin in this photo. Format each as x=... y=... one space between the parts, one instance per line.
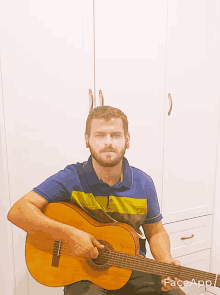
x=171 y=104
x=92 y=100
x=101 y=95
x=186 y=238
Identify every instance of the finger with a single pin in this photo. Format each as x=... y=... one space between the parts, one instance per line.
x=179 y=282
x=97 y=244
x=176 y=262
x=166 y=281
x=166 y=284
x=93 y=253
x=165 y=288
x=169 y=284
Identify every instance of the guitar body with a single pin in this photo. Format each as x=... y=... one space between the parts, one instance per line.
x=51 y=265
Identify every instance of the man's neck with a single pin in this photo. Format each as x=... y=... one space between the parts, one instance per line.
x=110 y=175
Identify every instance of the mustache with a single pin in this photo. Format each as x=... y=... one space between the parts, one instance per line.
x=107 y=150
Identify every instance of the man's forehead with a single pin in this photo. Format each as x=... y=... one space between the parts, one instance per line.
x=112 y=122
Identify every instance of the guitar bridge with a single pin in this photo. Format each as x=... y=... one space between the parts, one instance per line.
x=56 y=253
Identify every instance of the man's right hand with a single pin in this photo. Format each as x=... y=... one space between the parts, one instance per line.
x=84 y=244
x=27 y=214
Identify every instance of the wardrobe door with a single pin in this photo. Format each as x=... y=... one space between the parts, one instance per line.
x=192 y=80
x=47 y=71
x=130 y=59
x=7 y=280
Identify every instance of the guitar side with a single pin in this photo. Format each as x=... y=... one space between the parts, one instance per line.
x=50 y=270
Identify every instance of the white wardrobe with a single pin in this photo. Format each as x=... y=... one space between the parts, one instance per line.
x=141 y=54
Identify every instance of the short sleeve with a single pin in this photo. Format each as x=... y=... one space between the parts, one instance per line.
x=153 y=208
x=57 y=187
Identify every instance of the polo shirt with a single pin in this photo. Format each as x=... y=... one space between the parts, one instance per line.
x=132 y=200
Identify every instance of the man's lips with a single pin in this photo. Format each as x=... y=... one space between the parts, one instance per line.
x=108 y=152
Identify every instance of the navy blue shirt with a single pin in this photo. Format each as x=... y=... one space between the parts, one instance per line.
x=132 y=200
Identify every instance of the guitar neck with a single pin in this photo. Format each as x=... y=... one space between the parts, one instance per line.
x=143 y=264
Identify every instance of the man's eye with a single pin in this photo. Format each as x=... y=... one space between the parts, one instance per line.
x=116 y=135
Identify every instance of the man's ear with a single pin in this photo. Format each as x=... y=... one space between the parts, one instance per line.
x=127 y=141
x=87 y=140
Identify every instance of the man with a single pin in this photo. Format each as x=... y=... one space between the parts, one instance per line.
x=109 y=189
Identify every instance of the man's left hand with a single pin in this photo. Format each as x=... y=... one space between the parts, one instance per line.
x=169 y=284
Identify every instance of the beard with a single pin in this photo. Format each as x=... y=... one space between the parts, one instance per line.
x=107 y=161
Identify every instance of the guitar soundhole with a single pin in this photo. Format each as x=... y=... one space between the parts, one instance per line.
x=103 y=261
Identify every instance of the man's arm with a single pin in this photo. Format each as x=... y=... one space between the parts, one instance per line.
x=27 y=214
x=159 y=243
x=158 y=240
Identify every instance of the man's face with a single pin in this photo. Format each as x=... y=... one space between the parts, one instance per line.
x=107 y=142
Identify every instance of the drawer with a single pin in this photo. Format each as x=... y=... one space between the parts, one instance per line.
x=213 y=291
x=190 y=235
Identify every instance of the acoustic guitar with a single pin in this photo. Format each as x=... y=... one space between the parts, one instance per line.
x=50 y=261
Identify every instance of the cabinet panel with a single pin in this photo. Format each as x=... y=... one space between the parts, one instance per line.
x=198 y=260
x=213 y=290
x=47 y=70
x=191 y=129
x=130 y=58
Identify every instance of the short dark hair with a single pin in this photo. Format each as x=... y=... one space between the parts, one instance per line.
x=107 y=113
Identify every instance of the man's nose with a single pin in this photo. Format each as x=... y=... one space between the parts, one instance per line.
x=108 y=139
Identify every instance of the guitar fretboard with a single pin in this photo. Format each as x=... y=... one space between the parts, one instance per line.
x=142 y=264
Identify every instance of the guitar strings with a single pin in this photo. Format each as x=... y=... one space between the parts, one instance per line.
x=164 y=267
x=170 y=269
x=116 y=257
x=135 y=259
x=163 y=271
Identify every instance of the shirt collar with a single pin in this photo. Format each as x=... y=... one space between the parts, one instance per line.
x=92 y=179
